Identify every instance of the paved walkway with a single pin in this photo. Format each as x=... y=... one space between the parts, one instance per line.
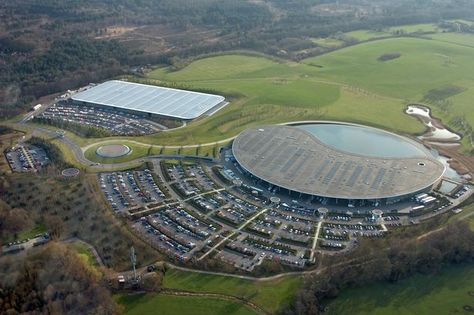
x=315 y=241
x=233 y=233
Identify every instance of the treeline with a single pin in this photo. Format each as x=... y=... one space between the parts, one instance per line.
x=67 y=64
x=374 y=261
x=52 y=280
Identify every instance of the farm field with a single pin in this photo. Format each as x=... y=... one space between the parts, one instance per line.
x=270 y=295
x=170 y=305
x=446 y=293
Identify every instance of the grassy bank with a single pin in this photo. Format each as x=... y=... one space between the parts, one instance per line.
x=270 y=295
x=446 y=293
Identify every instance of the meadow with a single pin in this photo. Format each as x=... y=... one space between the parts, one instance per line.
x=445 y=293
x=271 y=92
x=424 y=67
x=270 y=295
x=171 y=305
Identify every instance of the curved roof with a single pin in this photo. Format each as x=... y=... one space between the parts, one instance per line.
x=294 y=159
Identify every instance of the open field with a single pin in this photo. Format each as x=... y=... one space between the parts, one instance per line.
x=328 y=42
x=270 y=295
x=170 y=305
x=273 y=92
x=363 y=35
x=445 y=293
x=424 y=66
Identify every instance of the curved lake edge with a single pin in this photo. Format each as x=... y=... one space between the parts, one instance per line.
x=454 y=171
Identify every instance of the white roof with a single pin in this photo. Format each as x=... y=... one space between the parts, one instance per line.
x=150 y=99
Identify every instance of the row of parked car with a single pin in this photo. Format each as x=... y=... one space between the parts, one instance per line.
x=114 y=121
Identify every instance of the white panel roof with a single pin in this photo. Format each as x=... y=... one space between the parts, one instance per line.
x=150 y=99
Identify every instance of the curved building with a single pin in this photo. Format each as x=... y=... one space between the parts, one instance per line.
x=294 y=159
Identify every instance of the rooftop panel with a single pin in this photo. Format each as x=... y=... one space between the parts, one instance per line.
x=299 y=161
x=150 y=99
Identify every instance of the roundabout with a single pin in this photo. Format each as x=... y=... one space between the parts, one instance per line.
x=113 y=150
x=70 y=172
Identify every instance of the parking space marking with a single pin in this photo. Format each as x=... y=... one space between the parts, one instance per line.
x=233 y=233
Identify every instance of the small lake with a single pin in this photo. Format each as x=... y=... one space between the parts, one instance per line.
x=365 y=140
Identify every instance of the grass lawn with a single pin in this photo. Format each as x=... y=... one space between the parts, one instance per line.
x=38 y=229
x=84 y=253
x=363 y=35
x=269 y=92
x=445 y=293
x=424 y=65
x=228 y=66
x=144 y=304
x=272 y=296
x=328 y=42
x=138 y=151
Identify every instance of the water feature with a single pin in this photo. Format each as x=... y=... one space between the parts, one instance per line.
x=447 y=187
x=365 y=140
x=374 y=142
x=436 y=131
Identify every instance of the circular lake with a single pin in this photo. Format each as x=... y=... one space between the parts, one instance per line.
x=364 y=140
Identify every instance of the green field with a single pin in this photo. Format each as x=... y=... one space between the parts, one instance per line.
x=446 y=293
x=328 y=42
x=270 y=295
x=144 y=304
x=269 y=92
x=423 y=65
x=364 y=35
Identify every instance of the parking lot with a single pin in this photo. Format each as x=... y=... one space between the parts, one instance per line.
x=27 y=158
x=185 y=211
x=116 y=122
x=124 y=190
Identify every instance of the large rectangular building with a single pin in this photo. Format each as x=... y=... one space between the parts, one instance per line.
x=150 y=100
